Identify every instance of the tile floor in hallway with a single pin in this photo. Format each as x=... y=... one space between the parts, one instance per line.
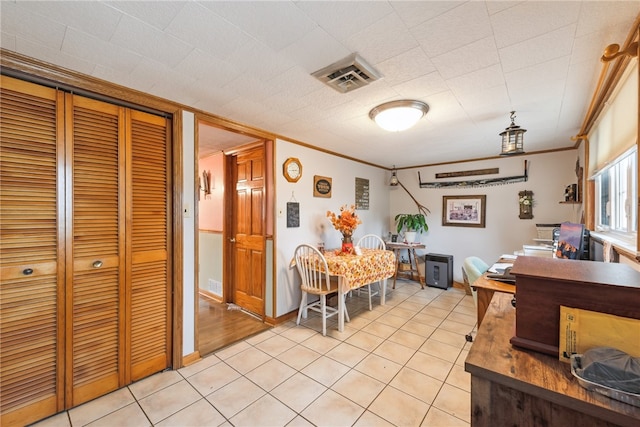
x=401 y=364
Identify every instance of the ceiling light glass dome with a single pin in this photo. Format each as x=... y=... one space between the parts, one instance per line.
x=396 y=116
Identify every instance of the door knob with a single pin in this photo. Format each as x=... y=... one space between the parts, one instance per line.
x=97 y=264
x=27 y=271
x=232 y=240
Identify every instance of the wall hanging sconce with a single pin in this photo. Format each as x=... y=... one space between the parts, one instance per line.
x=396 y=116
x=525 y=198
x=512 y=138
x=205 y=184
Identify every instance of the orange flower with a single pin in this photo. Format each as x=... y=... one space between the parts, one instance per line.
x=347 y=221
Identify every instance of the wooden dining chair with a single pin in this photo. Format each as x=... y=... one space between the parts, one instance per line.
x=372 y=241
x=315 y=280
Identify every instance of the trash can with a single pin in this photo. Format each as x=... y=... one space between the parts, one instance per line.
x=439 y=270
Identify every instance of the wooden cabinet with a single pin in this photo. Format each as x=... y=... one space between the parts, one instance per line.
x=514 y=387
x=544 y=284
x=85 y=246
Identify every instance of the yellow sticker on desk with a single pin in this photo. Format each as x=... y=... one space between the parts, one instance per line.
x=581 y=330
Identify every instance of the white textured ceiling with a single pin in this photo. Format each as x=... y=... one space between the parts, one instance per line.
x=251 y=62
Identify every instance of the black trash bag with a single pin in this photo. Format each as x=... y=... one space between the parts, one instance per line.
x=611 y=368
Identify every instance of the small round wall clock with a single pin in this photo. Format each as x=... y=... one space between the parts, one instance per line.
x=292 y=169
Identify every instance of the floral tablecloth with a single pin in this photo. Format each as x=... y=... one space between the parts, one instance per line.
x=358 y=270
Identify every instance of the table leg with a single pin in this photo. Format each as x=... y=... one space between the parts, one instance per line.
x=341 y=296
x=395 y=276
x=415 y=260
x=483 y=298
x=383 y=289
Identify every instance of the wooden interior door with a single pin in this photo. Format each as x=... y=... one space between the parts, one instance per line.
x=249 y=230
x=32 y=246
x=95 y=304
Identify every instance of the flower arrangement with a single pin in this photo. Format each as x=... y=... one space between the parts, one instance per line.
x=346 y=221
x=526 y=200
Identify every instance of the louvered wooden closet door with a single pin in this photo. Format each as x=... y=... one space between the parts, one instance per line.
x=95 y=310
x=31 y=269
x=149 y=305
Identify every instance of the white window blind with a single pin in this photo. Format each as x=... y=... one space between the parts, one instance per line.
x=616 y=129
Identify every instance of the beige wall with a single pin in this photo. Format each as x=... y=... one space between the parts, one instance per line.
x=504 y=232
x=211 y=207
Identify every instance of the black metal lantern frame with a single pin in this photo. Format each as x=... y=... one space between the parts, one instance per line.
x=512 y=138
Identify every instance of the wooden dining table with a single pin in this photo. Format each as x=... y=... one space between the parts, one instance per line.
x=354 y=271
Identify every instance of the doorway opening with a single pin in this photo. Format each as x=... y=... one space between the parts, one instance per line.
x=221 y=318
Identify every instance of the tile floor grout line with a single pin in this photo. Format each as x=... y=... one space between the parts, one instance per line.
x=446 y=304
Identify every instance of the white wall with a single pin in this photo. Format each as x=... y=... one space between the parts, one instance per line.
x=188 y=230
x=314 y=225
x=549 y=174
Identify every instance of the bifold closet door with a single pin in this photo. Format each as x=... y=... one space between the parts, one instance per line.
x=32 y=245
x=85 y=235
x=95 y=257
x=148 y=185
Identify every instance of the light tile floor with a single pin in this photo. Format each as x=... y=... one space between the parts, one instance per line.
x=401 y=364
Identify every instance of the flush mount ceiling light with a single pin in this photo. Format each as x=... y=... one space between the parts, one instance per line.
x=512 y=138
x=396 y=116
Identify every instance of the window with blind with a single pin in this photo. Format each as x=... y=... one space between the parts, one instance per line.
x=613 y=161
x=616 y=195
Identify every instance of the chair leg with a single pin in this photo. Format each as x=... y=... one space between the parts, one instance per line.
x=323 y=307
x=346 y=313
x=303 y=305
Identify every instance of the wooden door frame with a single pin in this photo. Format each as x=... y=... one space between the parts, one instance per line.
x=229 y=205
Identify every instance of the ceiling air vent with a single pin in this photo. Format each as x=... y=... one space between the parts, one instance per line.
x=347 y=74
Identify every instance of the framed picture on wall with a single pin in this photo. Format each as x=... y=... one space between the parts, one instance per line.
x=464 y=211
x=321 y=186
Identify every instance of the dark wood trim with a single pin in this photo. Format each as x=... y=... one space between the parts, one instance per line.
x=487 y=171
x=191 y=358
x=43 y=72
x=229 y=184
x=247 y=146
x=208 y=294
x=196 y=233
x=231 y=126
x=178 y=247
x=275 y=321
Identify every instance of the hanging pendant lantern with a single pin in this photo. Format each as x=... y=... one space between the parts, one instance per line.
x=394 y=178
x=512 y=138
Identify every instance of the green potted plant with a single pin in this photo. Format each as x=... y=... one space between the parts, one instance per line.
x=412 y=223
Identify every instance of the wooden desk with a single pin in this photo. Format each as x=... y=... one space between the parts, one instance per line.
x=485 y=289
x=510 y=386
x=413 y=263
